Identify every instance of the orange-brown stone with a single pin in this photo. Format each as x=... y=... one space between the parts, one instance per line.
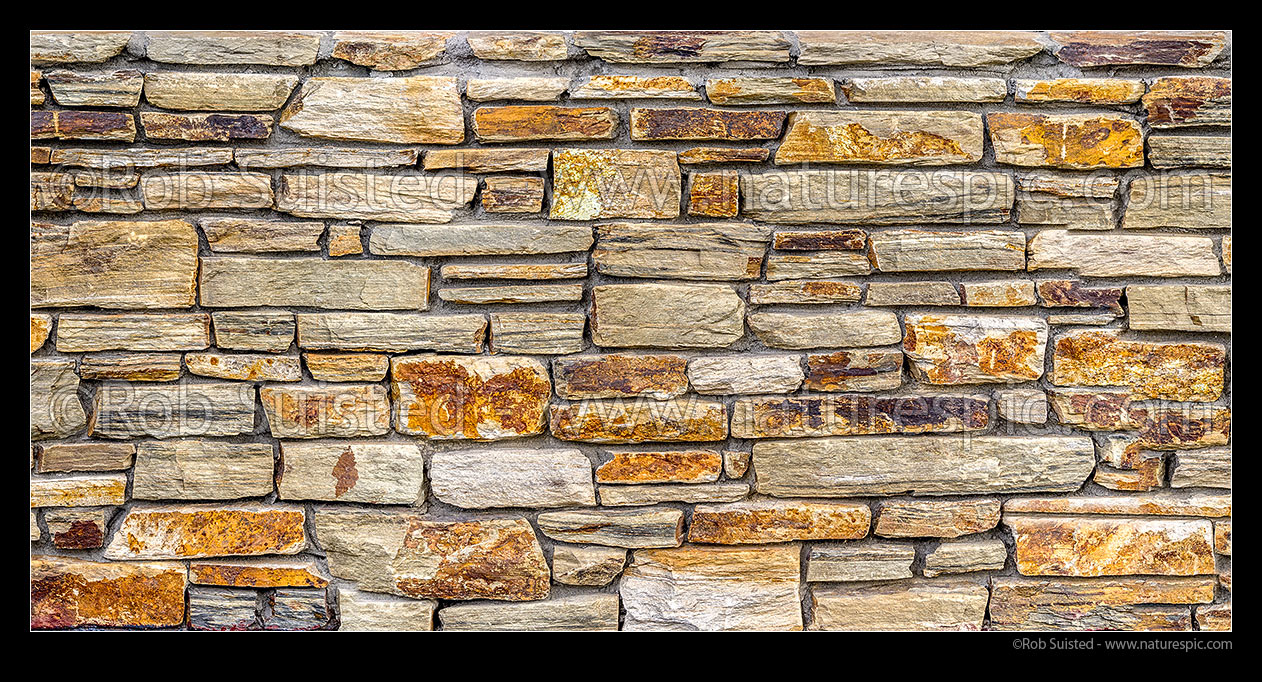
x=705 y=124
x=67 y=593
x=1079 y=141
x=1156 y=370
x=613 y=376
x=679 y=466
x=700 y=155
x=714 y=195
x=476 y=398
x=544 y=122
x=1090 y=546
x=639 y=421
x=848 y=415
x=1180 y=101
x=1083 y=90
x=208 y=530
x=257 y=573
x=1096 y=603
x=760 y=522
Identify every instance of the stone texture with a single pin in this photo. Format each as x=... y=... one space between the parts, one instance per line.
x=176 y=410
x=768 y=521
x=926 y=138
x=480 y=479
x=271 y=48
x=366 y=472
x=916 y=48
x=705 y=124
x=337 y=411
x=631 y=528
x=83 y=125
x=480 y=398
x=223 y=610
x=591 y=184
x=745 y=374
x=640 y=421
x=909 y=518
x=1124 y=255
x=1147 y=603
x=1022 y=406
x=348 y=196
x=643 y=495
x=261 y=331
x=591 y=566
x=913 y=605
x=770 y=90
x=369 y=612
x=636 y=87
x=668 y=466
x=924 y=465
x=208 y=530
x=94 y=456
x=332 y=157
x=859 y=561
x=77 y=333
x=582 y=612
x=1156 y=370
x=537 y=333
x=205 y=127
x=343 y=367
x=1194 y=308
x=804 y=292
x=512 y=195
x=1181 y=101
x=1122 y=48
x=390 y=51
x=926 y=251
x=41 y=327
x=296 y=609
x=391 y=332
x=240 y=282
x=1101 y=545
x=201 y=191
x=264 y=572
x=544 y=122
x=823 y=330
x=1207 y=468
x=57 y=47
x=815 y=265
x=846 y=415
x=1201 y=201
x=238 y=235
x=1072 y=141
x=55 y=408
x=676 y=316
x=495 y=160
x=819 y=240
x=477 y=240
x=925 y=89
x=81 y=490
x=77 y=528
x=966 y=555
x=889 y=294
x=1079 y=90
x=244 y=367
x=528 y=46
x=111 y=89
x=411 y=110
x=68 y=593
x=713 y=588
x=975 y=349
x=530 y=89
x=1182 y=151
x=659 y=377
x=201 y=470
x=714 y=195
x=528 y=293
x=218 y=91
x=870 y=369
x=1014 y=293
x=677 y=47
x=708 y=155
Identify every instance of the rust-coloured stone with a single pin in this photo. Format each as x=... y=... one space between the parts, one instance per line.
x=1082 y=90
x=544 y=122
x=820 y=240
x=705 y=124
x=83 y=125
x=640 y=420
x=676 y=466
x=854 y=370
x=192 y=531
x=972 y=349
x=1090 y=546
x=882 y=137
x=262 y=573
x=848 y=415
x=1109 y=48
x=1180 y=101
x=1163 y=371
x=767 y=521
x=915 y=518
x=700 y=155
x=512 y=194
x=205 y=127
x=714 y=195
x=477 y=398
x=67 y=593
x=1081 y=141
x=1061 y=293
x=614 y=376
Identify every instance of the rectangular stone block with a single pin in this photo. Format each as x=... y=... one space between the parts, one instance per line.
x=196 y=531
x=1191 y=308
x=1107 y=603
x=640 y=421
x=86 y=332
x=632 y=528
x=1180 y=101
x=201 y=470
x=411 y=110
x=880 y=198
x=659 y=377
x=845 y=329
x=1091 y=546
x=178 y=410
x=975 y=349
x=666 y=315
x=478 y=239
x=914 y=605
x=68 y=593
x=537 y=333
x=469 y=398
x=922 y=138
x=481 y=479
x=1153 y=370
x=772 y=521
x=684 y=47
x=544 y=122
x=861 y=369
x=719 y=251
x=898 y=49
x=363 y=472
x=591 y=184
x=187 y=91
x=849 y=415
x=1073 y=141
x=337 y=411
x=705 y=124
x=344 y=195
x=391 y=332
x=1124 y=255
x=925 y=89
x=242 y=282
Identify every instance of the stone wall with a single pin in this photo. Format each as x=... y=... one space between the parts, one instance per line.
x=624 y=329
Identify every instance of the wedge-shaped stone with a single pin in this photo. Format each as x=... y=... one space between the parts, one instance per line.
x=41 y=327
x=705 y=124
x=1080 y=90
x=245 y=235
x=816 y=265
x=923 y=465
x=580 y=612
x=244 y=366
x=850 y=415
x=686 y=493
x=912 y=605
x=270 y=48
x=1180 y=101
x=364 y=472
x=883 y=49
x=94 y=456
x=390 y=51
x=205 y=127
x=458 y=398
x=347 y=366
x=1193 y=308
x=666 y=315
x=55 y=408
x=881 y=198
x=804 y=292
x=713 y=588
x=260 y=331
x=613 y=376
x=1153 y=370
x=591 y=184
x=351 y=195
x=770 y=90
x=77 y=528
x=201 y=470
x=68 y=592
x=918 y=518
x=587 y=565
x=537 y=333
x=759 y=522
x=966 y=555
x=1090 y=546
x=824 y=330
x=1205 y=468
x=201 y=191
x=529 y=89
x=331 y=157
x=480 y=479
x=264 y=573
x=1148 y=603
x=526 y=46
x=1201 y=201
x=633 y=528
x=1124 y=255
x=853 y=561
x=132 y=367
x=231 y=282
x=1213 y=505
x=111 y=89
x=924 y=138
x=81 y=490
x=391 y=332
x=195 y=531
x=925 y=89
x=78 y=333
x=681 y=47
x=640 y=420
x=745 y=374
x=862 y=369
x=58 y=47
x=369 y=612
x=636 y=87
x=478 y=239
x=412 y=110
x=175 y=410
x=1182 y=151
x=338 y=411
x=218 y=91
x=670 y=466
x=489 y=160
x=723 y=251
x=544 y=122
x=975 y=349
x=116 y=264
x=1075 y=141
x=1192 y=49
x=409 y=555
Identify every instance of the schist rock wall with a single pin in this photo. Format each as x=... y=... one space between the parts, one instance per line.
x=631 y=330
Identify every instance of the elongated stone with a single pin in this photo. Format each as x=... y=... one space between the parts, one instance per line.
x=1206 y=468
x=643 y=495
x=526 y=46
x=1080 y=90
x=592 y=566
x=259 y=331
x=112 y=89
x=1124 y=255
x=769 y=90
x=924 y=465
x=57 y=47
x=390 y=51
x=804 y=292
x=713 y=588
x=391 y=332
x=825 y=196
x=966 y=555
x=678 y=47
x=768 y=521
x=870 y=369
x=911 y=605
x=925 y=89
x=478 y=239
x=848 y=415
x=77 y=528
x=244 y=367
x=55 y=408
x=745 y=374
x=80 y=490
x=83 y=125
x=201 y=191
x=347 y=366
x=911 y=518
x=1074 y=141
x=530 y=89
x=544 y=122
x=201 y=470
x=536 y=293
x=95 y=456
x=479 y=398
x=331 y=157
x=68 y=592
x=1160 y=371
x=816 y=264
x=591 y=184
x=927 y=138
x=480 y=479
x=707 y=155
x=338 y=411
x=77 y=333
x=659 y=377
x=265 y=572
x=271 y=48
x=820 y=240
x=957 y=49
x=666 y=315
x=205 y=127
x=1180 y=101
x=405 y=554
x=240 y=235
x=824 y=330
x=639 y=421
x=891 y=294
x=1101 y=545
x=537 y=333
x=581 y=612
x=369 y=612
x=218 y=91
x=724 y=251
x=973 y=349
x=1147 y=603
x=207 y=530
x=1201 y=201
x=528 y=271
x=231 y=282
x=636 y=87
x=634 y=528
x=1182 y=151
x=669 y=466
x=854 y=561
x=365 y=472
x=705 y=124
x=347 y=195
x=1180 y=308
x=489 y=160
x=512 y=195
x=411 y=110
x=1191 y=49
x=175 y=410
x=1213 y=505
x=116 y=264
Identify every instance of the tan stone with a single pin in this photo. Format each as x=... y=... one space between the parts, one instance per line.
x=265 y=572
x=41 y=327
x=666 y=315
x=1161 y=371
x=80 y=490
x=723 y=251
x=587 y=565
x=411 y=110
x=925 y=89
x=489 y=160
x=259 y=331
x=201 y=470
x=1022 y=406
x=973 y=349
x=591 y=184
x=1205 y=468
x=347 y=366
x=478 y=239
x=68 y=592
x=911 y=605
x=770 y=90
x=544 y=122
x=527 y=46
x=823 y=330
x=927 y=138
x=714 y=195
x=390 y=51
x=475 y=398
x=77 y=333
x=95 y=456
x=55 y=408
x=218 y=91
x=207 y=530
x=580 y=612
x=1074 y=141
x=110 y=89
x=816 y=265
x=512 y=195
x=855 y=561
x=847 y=415
x=636 y=87
x=1179 y=101
x=244 y=367
x=767 y=521
x=966 y=555
x=639 y=421
x=332 y=157
x=1080 y=90
x=1101 y=545
x=337 y=411
x=1200 y=201
x=745 y=374
x=679 y=47
x=537 y=333
x=529 y=89
x=1167 y=503
x=642 y=495
x=705 y=124
x=632 y=528
x=912 y=293
x=272 y=48
x=913 y=518
x=669 y=466
x=1124 y=255
x=804 y=292
x=243 y=235
x=56 y=47
x=958 y=49
x=363 y=472
x=232 y=282
x=77 y=528
x=369 y=612
x=926 y=251
x=1147 y=603
x=735 y=463
x=368 y=196
x=480 y=479
x=1180 y=308
x=200 y=191
x=524 y=293
x=658 y=377
x=391 y=332
x=861 y=369
x=1014 y=293
x=1181 y=151
x=203 y=409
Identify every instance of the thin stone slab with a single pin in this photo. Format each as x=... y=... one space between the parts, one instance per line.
x=111 y=89
x=934 y=605
x=391 y=51
x=526 y=46
x=478 y=239
x=366 y=472
x=244 y=366
x=770 y=90
x=1192 y=308
x=965 y=555
x=480 y=479
x=823 y=330
x=659 y=377
x=912 y=518
x=260 y=573
x=643 y=495
x=898 y=49
x=1199 y=201
x=411 y=110
x=929 y=251
x=92 y=456
x=665 y=466
x=80 y=490
x=1181 y=101
x=942 y=196
x=1183 y=151
x=1190 y=49
x=583 y=612
x=201 y=191
x=1079 y=90
x=483 y=160
x=257 y=331
x=804 y=292
x=391 y=332
x=925 y=89
x=369 y=612
x=527 y=123
x=178 y=410
x=58 y=47
x=218 y=91
x=1170 y=503
x=243 y=235
x=1122 y=603
x=714 y=251
x=337 y=411
x=745 y=374
x=683 y=47
x=1124 y=255
x=329 y=157
x=1090 y=546
x=640 y=421
x=924 y=138
x=242 y=282
x=1071 y=141
x=757 y=522
x=345 y=195
x=666 y=315
x=1151 y=369
x=201 y=470
x=269 y=48
x=849 y=415
x=636 y=87
x=859 y=561
x=632 y=528
x=78 y=333
x=537 y=333
x=195 y=531
x=528 y=89
x=861 y=369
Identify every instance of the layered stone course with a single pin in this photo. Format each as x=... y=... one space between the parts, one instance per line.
x=631 y=330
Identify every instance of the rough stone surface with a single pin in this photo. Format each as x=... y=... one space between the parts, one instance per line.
x=761 y=522
x=479 y=479
x=68 y=593
x=913 y=605
x=587 y=612
x=208 y=530
x=412 y=110
x=923 y=138
x=632 y=528
x=666 y=315
x=365 y=472
x=975 y=349
x=483 y=398
x=1098 y=546
x=640 y=421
